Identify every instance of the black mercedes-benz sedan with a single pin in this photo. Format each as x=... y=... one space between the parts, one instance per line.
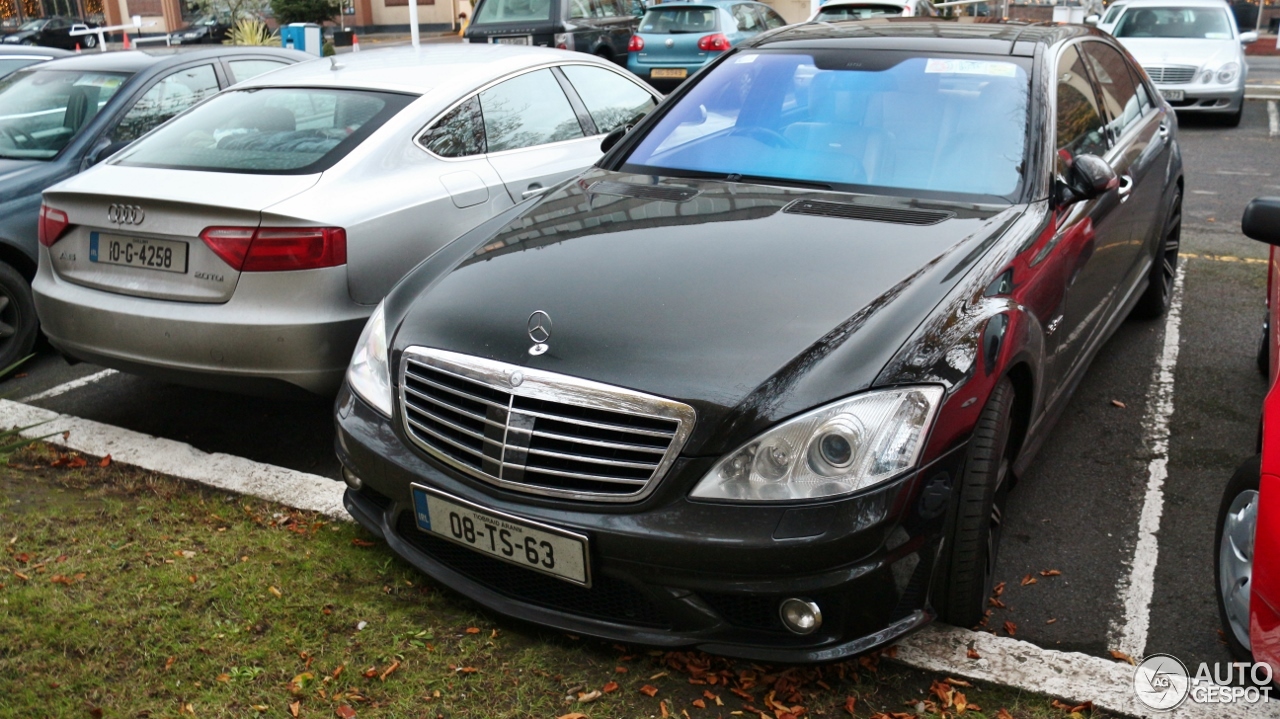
x=761 y=380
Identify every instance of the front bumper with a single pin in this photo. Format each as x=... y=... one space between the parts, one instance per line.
x=1202 y=98
x=279 y=332
x=672 y=572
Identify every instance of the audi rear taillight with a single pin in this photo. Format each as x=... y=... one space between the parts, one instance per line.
x=713 y=43
x=53 y=225
x=277 y=249
x=636 y=44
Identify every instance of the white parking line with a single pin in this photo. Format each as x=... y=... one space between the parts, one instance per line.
x=68 y=386
x=1130 y=634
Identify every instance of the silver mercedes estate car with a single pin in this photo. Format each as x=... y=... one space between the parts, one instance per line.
x=243 y=245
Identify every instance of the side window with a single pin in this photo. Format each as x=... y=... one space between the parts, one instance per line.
x=579 y=9
x=772 y=19
x=1144 y=99
x=168 y=97
x=242 y=70
x=460 y=133
x=1116 y=85
x=611 y=100
x=527 y=110
x=1079 y=121
x=746 y=19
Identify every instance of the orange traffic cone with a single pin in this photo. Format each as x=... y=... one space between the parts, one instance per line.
x=77 y=48
x=126 y=41
x=355 y=43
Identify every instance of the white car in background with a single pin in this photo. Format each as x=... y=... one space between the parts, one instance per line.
x=839 y=10
x=1107 y=21
x=243 y=245
x=1193 y=52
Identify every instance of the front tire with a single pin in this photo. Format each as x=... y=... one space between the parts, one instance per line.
x=1232 y=120
x=18 y=323
x=1233 y=561
x=975 y=537
x=1159 y=294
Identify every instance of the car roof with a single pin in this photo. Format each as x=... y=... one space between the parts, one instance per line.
x=925 y=34
x=138 y=60
x=405 y=68
x=12 y=50
x=1176 y=3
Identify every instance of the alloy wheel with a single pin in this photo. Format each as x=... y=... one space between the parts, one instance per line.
x=1235 y=562
x=1172 y=243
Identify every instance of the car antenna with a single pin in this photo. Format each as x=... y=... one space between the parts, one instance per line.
x=333 y=63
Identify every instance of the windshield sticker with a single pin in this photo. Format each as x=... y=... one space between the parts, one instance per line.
x=743 y=59
x=971 y=67
x=97 y=81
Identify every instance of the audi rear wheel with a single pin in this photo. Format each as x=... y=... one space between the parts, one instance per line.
x=18 y=323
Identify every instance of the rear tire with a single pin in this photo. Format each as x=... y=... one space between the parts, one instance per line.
x=975 y=537
x=1159 y=294
x=1233 y=558
x=19 y=325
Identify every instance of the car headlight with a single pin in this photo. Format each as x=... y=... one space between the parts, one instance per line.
x=1228 y=73
x=368 y=374
x=837 y=449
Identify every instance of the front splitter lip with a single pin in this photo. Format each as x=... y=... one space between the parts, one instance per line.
x=378 y=523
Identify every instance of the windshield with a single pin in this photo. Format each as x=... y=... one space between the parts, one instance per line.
x=267 y=131
x=33 y=25
x=42 y=110
x=679 y=20
x=1202 y=23
x=947 y=125
x=1112 y=14
x=837 y=13
x=496 y=11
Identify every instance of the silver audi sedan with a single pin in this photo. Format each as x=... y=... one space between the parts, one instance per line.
x=243 y=245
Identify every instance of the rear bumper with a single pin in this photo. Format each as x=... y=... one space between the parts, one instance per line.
x=669 y=571
x=279 y=330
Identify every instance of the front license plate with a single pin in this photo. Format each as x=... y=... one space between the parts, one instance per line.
x=520 y=40
x=163 y=255
x=669 y=73
x=522 y=542
x=1174 y=95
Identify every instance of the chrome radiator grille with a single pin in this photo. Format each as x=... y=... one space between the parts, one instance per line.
x=539 y=432
x=1170 y=74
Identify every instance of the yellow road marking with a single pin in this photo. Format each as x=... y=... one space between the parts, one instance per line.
x=1224 y=258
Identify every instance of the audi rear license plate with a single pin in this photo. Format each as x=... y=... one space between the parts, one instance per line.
x=669 y=73
x=163 y=255
x=522 y=542
x=1174 y=95
x=517 y=40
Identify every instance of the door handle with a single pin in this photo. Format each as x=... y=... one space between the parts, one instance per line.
x=1164 y=130
x=533 y=190
x=1126 y=186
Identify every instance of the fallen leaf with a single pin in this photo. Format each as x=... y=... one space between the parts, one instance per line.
x=275 y=591
x=1011 y=628
x=995 y=602
x=849 y=704
x=649 y=690
x=337 y=672
x=1050 y=573
x=662 y=705
x=1211 y=219
x=957 y=682
x=573 y=715
x=588 y=697
x=659 y=675
x=1003 y=714
x=224 y=678
x=294 y=708
x=105 y=461
x=60 y=579
x=1116 y=654
x=961 y=703
x=699 y=703
x=168 y=663
x=22 y=576
x=77 y=462
x=96 y=712
x=1118 y=403
x=260 y=707
x=1050 y=621
x=998 y=589
x=620 y=670
x=192 y=579
x=473 y=630
x=345 y=712
x=609 y=688
x=299 y=684
x=1028 y=580
x=386 y=673
x=467 y=670
x=973 y=653
x=362 y=542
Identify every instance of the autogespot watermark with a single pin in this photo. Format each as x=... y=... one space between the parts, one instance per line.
x=1163 y=683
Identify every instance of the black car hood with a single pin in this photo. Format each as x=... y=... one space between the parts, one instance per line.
x=724 y=301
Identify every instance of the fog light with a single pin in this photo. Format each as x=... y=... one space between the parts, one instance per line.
x=800 y=615
x=352 y=481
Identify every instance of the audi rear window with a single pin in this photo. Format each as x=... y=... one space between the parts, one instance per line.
x=264 y=131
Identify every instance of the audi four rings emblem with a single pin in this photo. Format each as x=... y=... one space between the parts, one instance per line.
x=125 y=215
x=539 y=331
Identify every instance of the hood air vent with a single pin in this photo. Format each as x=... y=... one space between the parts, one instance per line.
x=873 y=213
x=648 y=192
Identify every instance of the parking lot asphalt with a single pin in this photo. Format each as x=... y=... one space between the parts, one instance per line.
x=1076 y=511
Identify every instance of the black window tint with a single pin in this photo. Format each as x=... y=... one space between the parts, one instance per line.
x=611 y=99
x=1079 y=122
x=746 y=19
x=459 y=133
x=1119 y=95
x=168 y=97
x=527 y=110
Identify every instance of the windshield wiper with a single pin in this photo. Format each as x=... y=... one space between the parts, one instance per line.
x=785 y=181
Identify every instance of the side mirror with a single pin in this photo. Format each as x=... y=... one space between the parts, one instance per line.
x=1092 y=19
x=102 y=151
x=612 y=138
x=1261 y=220
x=1089 y=177
x=1248 y=38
